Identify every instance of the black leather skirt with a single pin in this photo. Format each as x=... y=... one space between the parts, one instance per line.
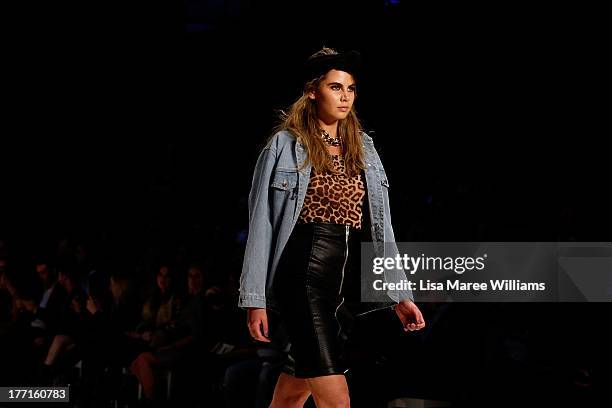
x=317 y=274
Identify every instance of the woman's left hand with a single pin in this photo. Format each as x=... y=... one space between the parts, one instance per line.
x=76 y=306
x=410 y=315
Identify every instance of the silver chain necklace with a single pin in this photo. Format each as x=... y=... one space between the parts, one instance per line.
x=332 y=141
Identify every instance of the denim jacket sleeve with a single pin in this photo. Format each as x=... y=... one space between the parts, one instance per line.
x=390 y=246
x=395 y=275
x=259 y=246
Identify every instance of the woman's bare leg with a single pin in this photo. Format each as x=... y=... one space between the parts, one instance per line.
x=330 y=391
x=58 y=345
x=290 y=392
x=142 y=368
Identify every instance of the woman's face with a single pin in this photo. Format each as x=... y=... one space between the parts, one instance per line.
x=194 y=281
x=43 y=272
x=163 y=278
x=334 y=96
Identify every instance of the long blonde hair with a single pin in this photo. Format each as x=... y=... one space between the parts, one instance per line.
x=301 y=120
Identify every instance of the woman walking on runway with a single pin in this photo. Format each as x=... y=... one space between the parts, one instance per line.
x=318 y=189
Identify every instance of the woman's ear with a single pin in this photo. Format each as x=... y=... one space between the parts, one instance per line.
x=311 y=95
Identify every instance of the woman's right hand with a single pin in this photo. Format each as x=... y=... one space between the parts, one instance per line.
x=257 y=321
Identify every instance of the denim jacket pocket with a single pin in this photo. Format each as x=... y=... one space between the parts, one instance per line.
x=285 y=180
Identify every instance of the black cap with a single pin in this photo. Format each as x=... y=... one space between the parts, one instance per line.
x=349 y=61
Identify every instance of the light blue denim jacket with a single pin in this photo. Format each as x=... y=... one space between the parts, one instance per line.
x=276 y=198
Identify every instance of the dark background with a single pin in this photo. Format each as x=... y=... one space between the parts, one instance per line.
x=150 y=116
x=489 y=121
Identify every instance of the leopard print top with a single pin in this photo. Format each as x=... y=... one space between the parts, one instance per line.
x=334 y=198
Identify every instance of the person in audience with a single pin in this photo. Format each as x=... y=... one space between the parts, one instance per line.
x=188 y=337
x=160 y=311
x=109 y=347
x=50 y=305
x=71 y=324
